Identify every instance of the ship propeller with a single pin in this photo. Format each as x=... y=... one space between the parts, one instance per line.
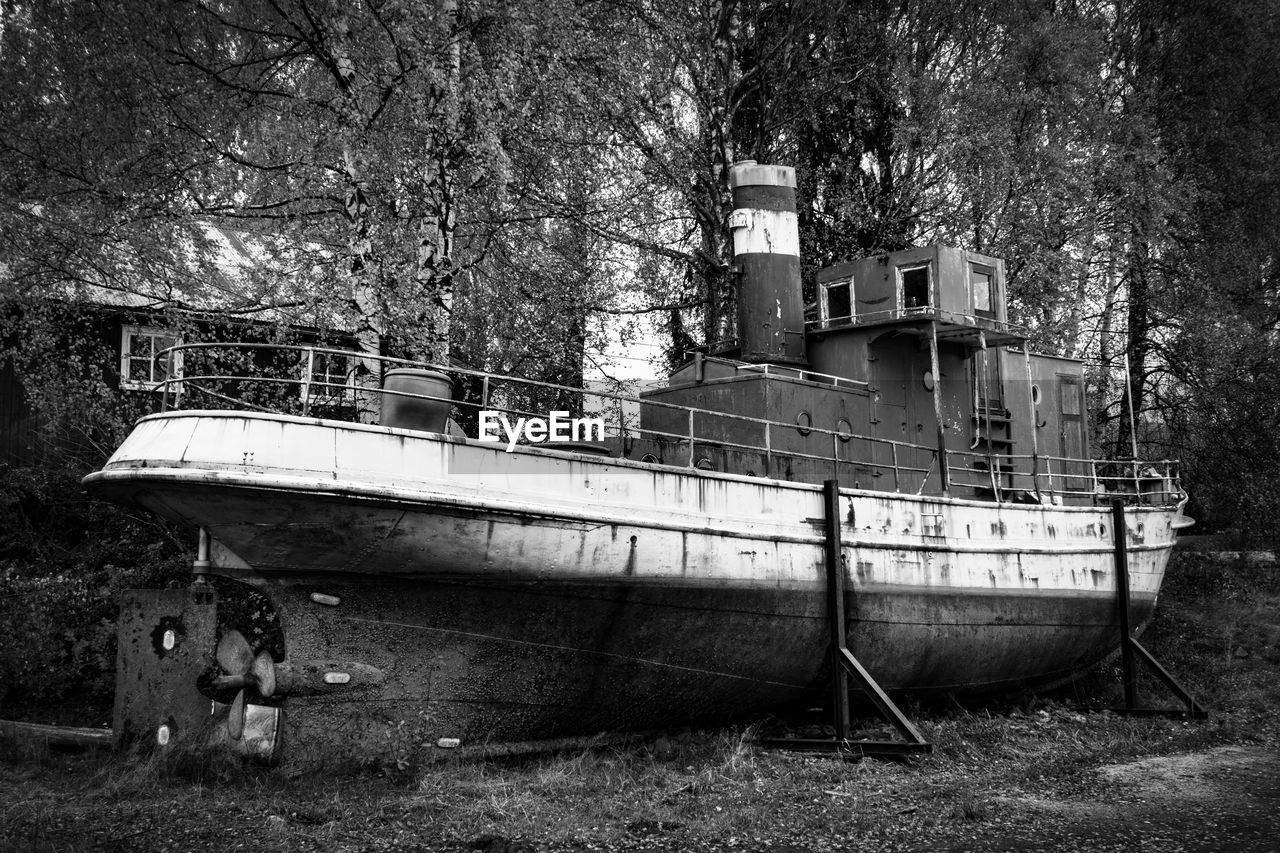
x=241 y=668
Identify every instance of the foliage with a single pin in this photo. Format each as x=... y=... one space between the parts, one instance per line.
x=64 y=560
x=1215 y=375
x=403 y=167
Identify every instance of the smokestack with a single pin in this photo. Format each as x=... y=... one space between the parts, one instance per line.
x=766 y=247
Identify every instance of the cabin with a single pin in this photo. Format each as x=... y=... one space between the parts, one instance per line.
x=905 y=376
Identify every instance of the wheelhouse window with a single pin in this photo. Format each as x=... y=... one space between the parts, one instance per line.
x=913 y=287
x=140 y=370
x=982 y=288
x=837 y=301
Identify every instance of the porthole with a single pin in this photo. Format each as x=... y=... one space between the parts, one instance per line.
x=1035 y=394
x=704 y=464
x=844 y=429
x=804 y=423
x=650 y=458
x=927 y=380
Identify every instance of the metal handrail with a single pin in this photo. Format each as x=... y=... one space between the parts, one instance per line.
x=802 y=373
x=920 y=312
x=1150 y=481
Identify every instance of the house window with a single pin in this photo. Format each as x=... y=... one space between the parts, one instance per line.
x=913 y=287
x=326 y=376
x=139 y=345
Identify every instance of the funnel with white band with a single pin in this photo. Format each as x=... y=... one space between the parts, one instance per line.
x=766 y=248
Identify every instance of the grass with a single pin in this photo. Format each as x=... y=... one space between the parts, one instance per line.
x=697 y=790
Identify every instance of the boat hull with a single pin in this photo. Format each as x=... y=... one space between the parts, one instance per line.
x=538 y=595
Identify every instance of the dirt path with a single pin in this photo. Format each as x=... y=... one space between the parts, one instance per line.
x=1224 y=799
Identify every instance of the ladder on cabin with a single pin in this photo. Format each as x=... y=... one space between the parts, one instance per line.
x=992 y=423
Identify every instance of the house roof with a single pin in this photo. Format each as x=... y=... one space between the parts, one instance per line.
x=212 y=268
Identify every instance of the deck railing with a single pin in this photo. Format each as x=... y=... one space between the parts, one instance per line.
x=918 y=312
x=282 y=378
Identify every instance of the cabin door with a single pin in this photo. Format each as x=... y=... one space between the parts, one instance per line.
x=903 y=410
x=890 y=409
x=1071 y=430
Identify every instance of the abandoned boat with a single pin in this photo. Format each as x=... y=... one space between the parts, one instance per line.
x=412 y=582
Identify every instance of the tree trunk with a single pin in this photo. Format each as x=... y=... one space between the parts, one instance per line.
x=435 y=263
x=366 y=295
x=1138 y=342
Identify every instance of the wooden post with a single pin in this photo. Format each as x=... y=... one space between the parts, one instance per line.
x=943 y=467
x=768 y=450
x=844 y=666
x=985 y=378
x=1031 y=405
x=691 y=439
x=1133 y=423
x=1119 y=536
x=306 y=382
x=835 y=456
x=1132 y=651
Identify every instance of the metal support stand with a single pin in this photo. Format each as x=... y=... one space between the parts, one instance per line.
x=1130 y=648
x=845 y=666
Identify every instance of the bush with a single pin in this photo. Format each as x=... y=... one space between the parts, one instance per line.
x=64 y=560
x=1241 y=502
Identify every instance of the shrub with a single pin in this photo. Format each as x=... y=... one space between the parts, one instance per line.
x=64 y=560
